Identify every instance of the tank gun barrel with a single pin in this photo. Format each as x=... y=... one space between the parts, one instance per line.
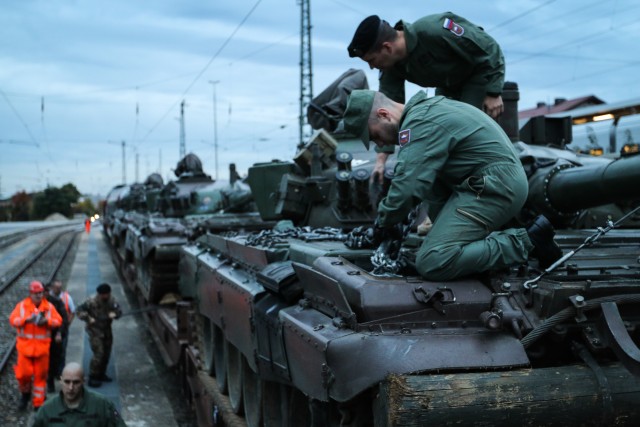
x=578 y=188
x=564 y=188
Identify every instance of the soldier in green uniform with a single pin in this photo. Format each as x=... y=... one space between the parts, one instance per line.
x=444 y=51
x=76 y=406
x=462 y=163
x=98 y=312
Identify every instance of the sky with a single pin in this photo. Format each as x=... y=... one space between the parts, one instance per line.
x=80 y=77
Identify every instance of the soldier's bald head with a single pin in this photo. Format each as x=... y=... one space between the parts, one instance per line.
x=73 y=368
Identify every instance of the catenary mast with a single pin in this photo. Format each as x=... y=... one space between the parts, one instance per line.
x=306 y=74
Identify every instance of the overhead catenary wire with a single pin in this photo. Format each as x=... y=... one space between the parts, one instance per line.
x=33 y=138
x=520 y=15
x=197 y=77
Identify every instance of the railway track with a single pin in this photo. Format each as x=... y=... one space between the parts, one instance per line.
x=52 y=260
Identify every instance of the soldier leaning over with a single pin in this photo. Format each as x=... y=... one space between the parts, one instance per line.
x=98 y=312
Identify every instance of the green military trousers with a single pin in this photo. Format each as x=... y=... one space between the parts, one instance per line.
x=466 y=236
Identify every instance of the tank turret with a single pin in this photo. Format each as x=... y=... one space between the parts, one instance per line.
x=328 y=182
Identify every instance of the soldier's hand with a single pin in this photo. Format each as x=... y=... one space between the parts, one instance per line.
x=58 y=338
x=377 y=174
x=493 y=106
x=360 y=238
x=91 y=320
x=112 y=315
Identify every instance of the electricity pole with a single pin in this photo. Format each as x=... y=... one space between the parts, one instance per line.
x=124 y=168
x=183 y=148
x=306 y=74
x=215 y=125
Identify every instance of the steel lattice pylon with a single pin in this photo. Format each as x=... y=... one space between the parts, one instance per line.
x=306 y=74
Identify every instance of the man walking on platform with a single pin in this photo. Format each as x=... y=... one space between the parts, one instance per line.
x=58 y=335
x=98 y=313
x=34 y=318
x=77 y=406
x=70 y=308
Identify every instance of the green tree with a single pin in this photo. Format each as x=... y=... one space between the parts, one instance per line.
x=85 y=206
x=21 y=203
x=53 y=199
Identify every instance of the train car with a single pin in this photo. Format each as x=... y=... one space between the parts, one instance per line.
x=607 y=129
x=290 y=325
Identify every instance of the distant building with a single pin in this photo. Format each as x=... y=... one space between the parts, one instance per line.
x=559 y=105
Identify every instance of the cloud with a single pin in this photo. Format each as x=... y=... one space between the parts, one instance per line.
x=119 y=70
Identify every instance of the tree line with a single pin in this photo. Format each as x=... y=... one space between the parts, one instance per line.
x=65 y=200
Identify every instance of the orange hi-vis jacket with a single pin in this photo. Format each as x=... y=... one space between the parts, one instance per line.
x=34 y=340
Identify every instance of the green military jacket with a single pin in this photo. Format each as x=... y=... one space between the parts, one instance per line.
x=441 y=144
x=447 y=52
x=94 y=411
x=99 y=310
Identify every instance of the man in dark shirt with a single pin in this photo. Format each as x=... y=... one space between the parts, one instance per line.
x=76 y=406
x=58 y=335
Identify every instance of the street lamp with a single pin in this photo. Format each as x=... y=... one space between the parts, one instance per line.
x=215 y=125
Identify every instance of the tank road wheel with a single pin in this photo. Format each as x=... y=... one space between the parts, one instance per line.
x=275 y=404
x=206 y=344
x=234 y=376
x=252 y=388
x=219 y=358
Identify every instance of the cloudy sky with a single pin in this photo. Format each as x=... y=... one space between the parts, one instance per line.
x=78 y=77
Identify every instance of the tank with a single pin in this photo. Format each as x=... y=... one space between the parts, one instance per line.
x=122 y=202
x=294 y=328
x=166 y=217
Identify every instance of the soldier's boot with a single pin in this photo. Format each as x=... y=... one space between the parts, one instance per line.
x=24 y=401
x=425 y=226
x=105 y=378
x=546 y=250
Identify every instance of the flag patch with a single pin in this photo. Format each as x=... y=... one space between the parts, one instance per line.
x=456 y=29
x=404 y=137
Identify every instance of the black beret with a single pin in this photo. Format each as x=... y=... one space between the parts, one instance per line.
x=365 y=36
x=104 y=288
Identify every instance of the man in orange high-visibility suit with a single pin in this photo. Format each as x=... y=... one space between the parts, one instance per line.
x=33 y=318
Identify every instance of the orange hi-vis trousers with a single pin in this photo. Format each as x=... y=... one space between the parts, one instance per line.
x=31 y=373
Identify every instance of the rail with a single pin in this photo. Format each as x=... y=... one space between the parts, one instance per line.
x=14 y=277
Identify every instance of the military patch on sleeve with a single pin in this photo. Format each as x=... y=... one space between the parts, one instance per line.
x=404 y=137
x=456 y=29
